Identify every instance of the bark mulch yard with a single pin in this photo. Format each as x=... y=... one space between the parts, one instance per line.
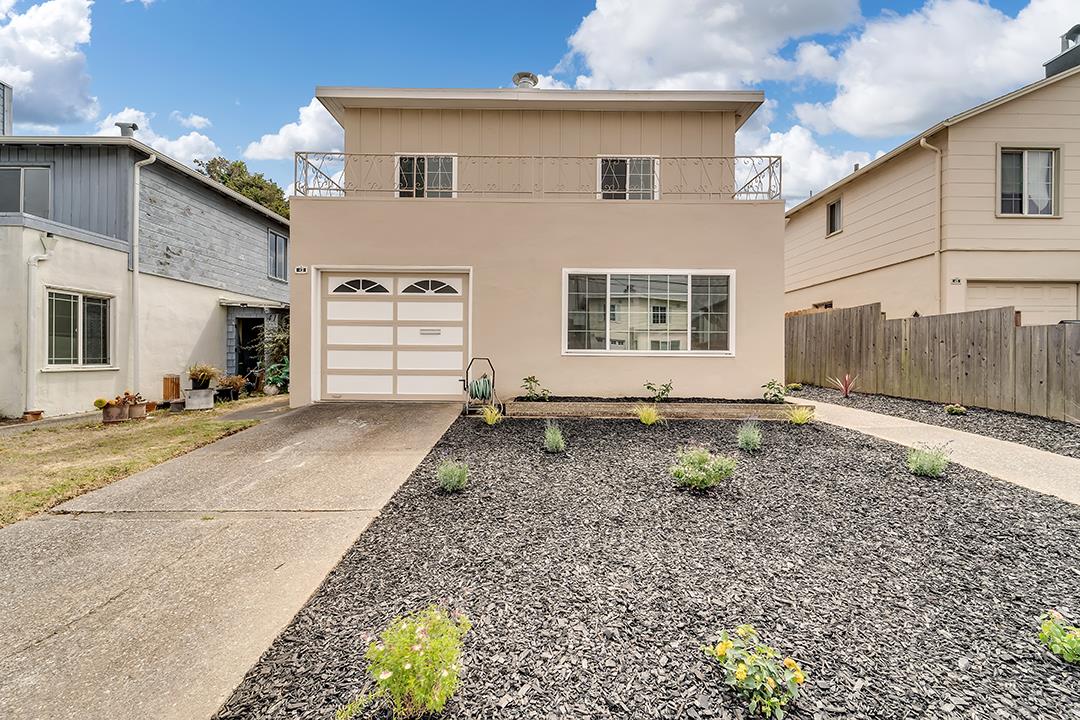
x=1053 y=436
x=592 y=582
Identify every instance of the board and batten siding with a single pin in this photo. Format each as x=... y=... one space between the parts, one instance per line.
x=189 y=232
x=889 y=217
x=1047 y=117
x=90 y=184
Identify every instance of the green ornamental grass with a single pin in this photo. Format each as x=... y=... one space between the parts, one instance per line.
x=748 y=436
x=554 y=442
x=452 y=476
x=929 y=461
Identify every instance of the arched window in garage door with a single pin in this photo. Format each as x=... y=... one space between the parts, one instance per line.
x=361 y=285
x=430 y=287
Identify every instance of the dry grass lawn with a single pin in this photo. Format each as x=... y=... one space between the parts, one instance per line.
x=44 y=467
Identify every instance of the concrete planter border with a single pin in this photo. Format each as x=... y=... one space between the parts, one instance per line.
x=671 y=411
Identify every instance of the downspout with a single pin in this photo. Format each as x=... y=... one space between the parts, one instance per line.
x=29 y=355
x=136 y=348
x=937 y=224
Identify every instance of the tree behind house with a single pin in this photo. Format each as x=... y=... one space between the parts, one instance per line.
x=234 y=174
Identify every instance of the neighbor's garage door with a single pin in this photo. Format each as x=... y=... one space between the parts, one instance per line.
x=393 y=336
x=1039 y=303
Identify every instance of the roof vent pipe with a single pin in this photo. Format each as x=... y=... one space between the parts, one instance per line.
x=127 y=129
x=525 y=80
x=856 y=168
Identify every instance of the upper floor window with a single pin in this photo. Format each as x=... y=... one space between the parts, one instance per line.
x=1027 y=181
x=277 y=256
x=834 y=217
x=627 y=178
x=78 y=329
x=426 y=176
x=27 y=190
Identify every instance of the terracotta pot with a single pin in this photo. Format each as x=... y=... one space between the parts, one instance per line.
x=137 y=412
x=113 y=414
x=32 y=415
x=151 y=406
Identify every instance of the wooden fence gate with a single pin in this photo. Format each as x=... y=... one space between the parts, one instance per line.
x=980 y=358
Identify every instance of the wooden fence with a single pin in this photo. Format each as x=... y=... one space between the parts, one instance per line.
x=981 y=358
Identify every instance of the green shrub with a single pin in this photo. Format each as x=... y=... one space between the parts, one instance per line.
x=754 y=670
x=648 y=414
x=415 y=664
x=554 y=442
x=100 y=403
x=698 y=469
x=1062 y=640
x=533 y=390
x=956 y=409
x=748 y=436
x=775 y=391
x=800 y=414
x=793 y=387
x=491 y=415
x=659 y=393
x=929 y=461
x=452 y=476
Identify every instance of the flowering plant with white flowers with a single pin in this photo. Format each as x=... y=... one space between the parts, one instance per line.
x=415 y=663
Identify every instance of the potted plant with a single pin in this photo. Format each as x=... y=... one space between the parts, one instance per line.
x=200 y=396
x=277 y=378
x=112 y=411
x=230 y=386
x=135 y=404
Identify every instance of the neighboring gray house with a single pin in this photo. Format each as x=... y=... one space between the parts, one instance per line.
x=78 y=324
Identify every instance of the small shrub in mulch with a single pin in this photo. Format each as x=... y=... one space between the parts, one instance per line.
x=452 y=476
x=748 y=436
x=756 y=672
x=1062 y=640
x=698 y=469
x=929 y=461
x=554 y=442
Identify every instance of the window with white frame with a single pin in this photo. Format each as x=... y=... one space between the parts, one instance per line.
x=1027 y=181
x=26 y=190
x=426 y=176
x=627 y=178
x=78 y=329
x=277 y=256
x=650 y=312
x=834 y=214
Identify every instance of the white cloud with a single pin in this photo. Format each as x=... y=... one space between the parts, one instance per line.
x=35 y=129
x=685 y=44
x=145 y=3
x=198 y=122
x=186 y=148
x=903 y=73
x=547 y=82
x=316 y=129
x=813 y=60
x=807 y=166
x=41 y=56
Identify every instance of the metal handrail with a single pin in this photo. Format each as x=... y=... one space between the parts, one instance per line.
x=339 y=174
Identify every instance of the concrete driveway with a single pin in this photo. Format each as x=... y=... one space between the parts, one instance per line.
x=152 y=597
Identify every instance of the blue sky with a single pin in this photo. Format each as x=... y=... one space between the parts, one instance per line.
x=845 y=80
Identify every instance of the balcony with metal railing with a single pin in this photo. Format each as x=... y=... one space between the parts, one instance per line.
x=532 y=177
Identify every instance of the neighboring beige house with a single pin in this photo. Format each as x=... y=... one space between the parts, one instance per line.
x=982 y=210
x=597 y=240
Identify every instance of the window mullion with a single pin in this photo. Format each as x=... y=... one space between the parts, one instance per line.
x=689 y=309
x=1024 y=182
x=76 y=319
x=607 y=311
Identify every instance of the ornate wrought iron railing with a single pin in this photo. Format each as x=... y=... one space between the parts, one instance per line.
x=336 y=174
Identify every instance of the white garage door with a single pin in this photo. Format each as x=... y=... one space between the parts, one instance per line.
x=394 y=335
x=1039 y=303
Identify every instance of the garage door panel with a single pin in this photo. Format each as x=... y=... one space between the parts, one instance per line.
x=1038 y=303
x=359 y=335
x=425 y=311
x=359 y=310
x=360 y=359
x=359 y=384
x=451 y=335
x=429 y=385
x=430 y=360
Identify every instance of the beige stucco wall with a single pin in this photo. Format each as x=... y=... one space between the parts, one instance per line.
x=901 y=289
x=965 y=267
x=517 y=252
x=182 y=323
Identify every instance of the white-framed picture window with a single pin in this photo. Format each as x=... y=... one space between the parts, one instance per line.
x=1028 y=179
x=834 y=217
x=627 y=178
x=26 y=190
x=433 y=176
x=277 y=256
x=79 y=328
x=655 y=311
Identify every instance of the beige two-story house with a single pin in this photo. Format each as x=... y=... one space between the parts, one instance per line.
x=982 y=210
x=596 y=240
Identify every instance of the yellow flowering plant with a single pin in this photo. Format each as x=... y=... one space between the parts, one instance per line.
x=756 y=671
x=415 y=664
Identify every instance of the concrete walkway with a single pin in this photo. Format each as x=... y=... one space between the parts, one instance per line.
x=151 y=598
x=1039 y=470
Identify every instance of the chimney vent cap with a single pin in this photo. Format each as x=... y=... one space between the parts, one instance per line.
x=525 y=79
x=127 y=129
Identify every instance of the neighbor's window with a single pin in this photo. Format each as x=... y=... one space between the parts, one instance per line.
x=627 y=178
x=666 y=312
x=26 y=189
x=426 y=176
x=834 y=217
x=78 y=329
x=1027 y=182
x=277 y=256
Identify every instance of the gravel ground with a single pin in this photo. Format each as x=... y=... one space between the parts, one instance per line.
x=1051 y=435
x=592 y=582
